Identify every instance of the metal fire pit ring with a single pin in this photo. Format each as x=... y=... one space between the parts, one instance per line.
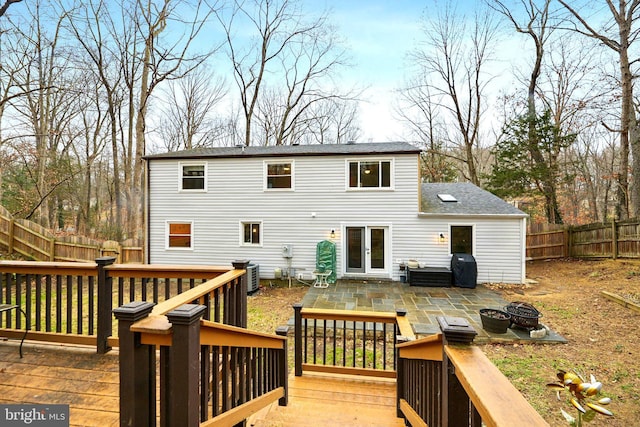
x=523 y=314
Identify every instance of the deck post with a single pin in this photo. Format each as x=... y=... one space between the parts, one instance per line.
x=183 y=382
x=240 y=294
x=105 y=305
x=283 y=366
x=137 y=368
x=457 y=408
x=297 y=338
x=400 y=377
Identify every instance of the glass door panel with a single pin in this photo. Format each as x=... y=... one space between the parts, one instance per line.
x=355 y=249
x=377 y=252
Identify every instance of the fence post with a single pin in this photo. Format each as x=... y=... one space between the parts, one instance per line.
x=614 y=239
x=297 y=338
x=137 y=368
x=183 y=382
x=105 y=304
x=12 y=223
x=241 y=299
x=52 y=249
x=457 y=409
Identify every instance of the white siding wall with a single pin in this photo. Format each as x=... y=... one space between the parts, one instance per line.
x=235 y=193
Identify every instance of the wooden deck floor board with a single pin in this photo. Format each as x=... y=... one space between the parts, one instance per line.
x=70 y=375
x=88 y=383
x=327 y=400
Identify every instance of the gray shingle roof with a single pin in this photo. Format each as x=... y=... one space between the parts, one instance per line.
x=292 y=150
x=471 y=200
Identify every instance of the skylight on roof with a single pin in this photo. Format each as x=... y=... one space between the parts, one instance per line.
x=447 y=198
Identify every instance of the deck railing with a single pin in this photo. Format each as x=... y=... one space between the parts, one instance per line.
x=347 y=342
x=444 y=383
x=73 y=302
x=210 y=374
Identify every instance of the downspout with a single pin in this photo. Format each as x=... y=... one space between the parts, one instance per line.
x=523 y=232
x=146 y=196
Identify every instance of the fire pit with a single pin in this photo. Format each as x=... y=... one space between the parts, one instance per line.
x=523 y=315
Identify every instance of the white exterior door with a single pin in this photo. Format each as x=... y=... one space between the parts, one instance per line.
x=367 y=249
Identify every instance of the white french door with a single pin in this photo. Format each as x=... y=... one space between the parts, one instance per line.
x=367 y=249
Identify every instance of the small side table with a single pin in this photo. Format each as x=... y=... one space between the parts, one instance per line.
x=8 y=307
x=321 y=279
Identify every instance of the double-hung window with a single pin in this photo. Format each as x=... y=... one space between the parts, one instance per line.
x=251 y=233
x=179 y=235
x=193 y=177
x=371 y=174
x=279 y=175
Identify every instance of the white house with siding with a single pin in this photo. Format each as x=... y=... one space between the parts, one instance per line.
x=272 y=205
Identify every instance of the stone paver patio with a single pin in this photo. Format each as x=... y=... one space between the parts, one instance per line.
x=423 y=304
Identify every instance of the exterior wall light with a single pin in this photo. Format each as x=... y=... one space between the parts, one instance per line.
x=441 y=237
x=333 y=233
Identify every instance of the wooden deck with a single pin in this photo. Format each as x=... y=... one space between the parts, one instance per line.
x=325 y=400
x=55 y=374
x=88 y=383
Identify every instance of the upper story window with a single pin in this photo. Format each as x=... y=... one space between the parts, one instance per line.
x=279 y=175
x=179 y=235
x=370 y=174
x=193 y=176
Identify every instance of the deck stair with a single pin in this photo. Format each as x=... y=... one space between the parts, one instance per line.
x=333 y=400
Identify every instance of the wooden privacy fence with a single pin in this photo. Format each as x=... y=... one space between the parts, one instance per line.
x=72 y=302
x=618 y=239
x=35 y=242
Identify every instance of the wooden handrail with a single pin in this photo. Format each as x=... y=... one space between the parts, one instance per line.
x=199 y=291
x=499 y=403
x=162 y=271
x=348 y=315
x=47 y=267
x=427 y=348
x=244 y=411
x=156 y=330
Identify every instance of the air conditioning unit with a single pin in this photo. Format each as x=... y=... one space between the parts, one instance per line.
x=253 y=278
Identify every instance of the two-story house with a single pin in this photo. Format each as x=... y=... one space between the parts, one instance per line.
x=273 y=205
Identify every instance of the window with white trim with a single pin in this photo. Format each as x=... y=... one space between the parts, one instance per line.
x=370 y=174
x=461 y=239
x=279 y=175
x=251 y=233
x=193 y=176
x=179 y=235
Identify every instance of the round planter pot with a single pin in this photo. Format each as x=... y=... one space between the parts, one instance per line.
x=496 y=321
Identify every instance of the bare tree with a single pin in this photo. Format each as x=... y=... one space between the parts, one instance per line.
x=535 y=26
x=453 y=58
x=186 y=114
x=419 y=110
x=5 y=5
x=625 y=15
x=162 y=59
x=294 y=51
x=46 y=104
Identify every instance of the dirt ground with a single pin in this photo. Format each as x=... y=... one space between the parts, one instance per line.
x=602 y=334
